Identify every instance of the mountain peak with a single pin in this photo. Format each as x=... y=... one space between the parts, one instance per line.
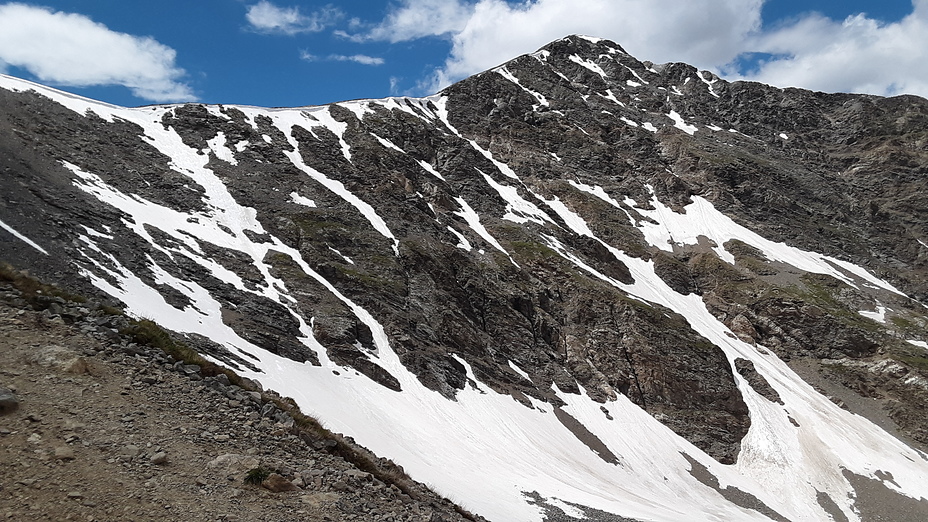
x=579 y=264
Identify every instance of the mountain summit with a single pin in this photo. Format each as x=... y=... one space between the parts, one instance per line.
x=575 y=286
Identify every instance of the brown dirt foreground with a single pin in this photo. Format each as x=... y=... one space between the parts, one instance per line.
x=105 y=431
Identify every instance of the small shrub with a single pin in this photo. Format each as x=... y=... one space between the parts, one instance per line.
x=256 y=476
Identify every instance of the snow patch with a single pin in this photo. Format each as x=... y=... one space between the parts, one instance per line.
x=463 y=243
x=611 y=97
x=505 y=169
x=473 y=221
x=343 y=256
x=568 y=510
x=679 y=123
x=219 y=148
x=700 y=218
x=23 y=238
x=300 y=200
x=636 y=75
x=591 y=39
x=521 y=372
x=431 y=170
x=286 y=120
x=323 y=115
x=358 y=107
x=387 y=143
x=93 y=233
x=601 y=194
x=588 y=65
x=504 y=72
x=708 y=83
x=518 y=209
x=879 y=315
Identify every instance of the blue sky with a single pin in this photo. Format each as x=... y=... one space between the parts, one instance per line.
x=292 y=52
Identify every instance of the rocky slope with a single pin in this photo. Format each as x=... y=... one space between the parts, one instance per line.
x=574 y=225
x=98 y=427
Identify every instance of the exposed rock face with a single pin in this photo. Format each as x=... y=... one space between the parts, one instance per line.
x=757 y=381
x=455 y=221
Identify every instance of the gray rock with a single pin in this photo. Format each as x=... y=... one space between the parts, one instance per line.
x=60 y=358
x=64 y=453
x=8 y=401
x=234 y=463
x=159 y=458
x=130 y=451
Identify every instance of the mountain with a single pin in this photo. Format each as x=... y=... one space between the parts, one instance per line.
x=575 y=286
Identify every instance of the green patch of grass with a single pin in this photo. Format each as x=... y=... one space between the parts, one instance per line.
x=820 y=290
x=148 y=333
x=916 y=361
x=370 y=281
x=902 y=322
x=746 y=256
x=112 y=310
x=737 y=248
x=32 y=290
x=315 y=225
x=906 y=324
x=532 y=250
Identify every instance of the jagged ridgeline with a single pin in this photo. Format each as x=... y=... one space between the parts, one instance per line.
x=565 y=287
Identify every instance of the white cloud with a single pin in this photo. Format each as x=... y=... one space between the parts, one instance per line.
x=73 y=50
x=858 y=54
x=357 y=58
x=266 y=17
x=419 y=18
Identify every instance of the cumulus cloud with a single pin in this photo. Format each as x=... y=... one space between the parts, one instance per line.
x=363 y=59
x=72 y=50
x=266 y=17
x=419 y=18
x=858 y=54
